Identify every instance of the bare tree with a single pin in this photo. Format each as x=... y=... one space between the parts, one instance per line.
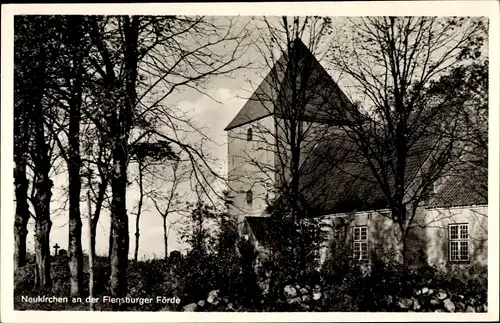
x=22 y=121
x=134 y=57
x=296 y=97
x=75 y=86
x=37 y=48
x=146 y=155
x=64 y=125
x=171 y=202
x=65 y=85
x=97 y=170
x=66 y=93
x=391 y=64
x=469 y=84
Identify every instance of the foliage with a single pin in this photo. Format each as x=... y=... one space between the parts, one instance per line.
x=345 y=286
x=213 y=262
x=228 y=258
x=294 y=246
x=385 y=283
x=157 y=151
x=197 y=231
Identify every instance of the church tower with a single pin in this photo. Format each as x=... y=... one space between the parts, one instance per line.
x=257 y=135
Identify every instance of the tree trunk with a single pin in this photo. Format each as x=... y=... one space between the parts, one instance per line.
x=119 y=231
x=75 y=252
x=42 y=253
x=399 y=218
x=21 y=141
x=41 y=203
x=91 y=252
x=139 y=210
x=93 y=229
x=123 y=123
x=41 y=158
x=41 y=200
x=42 y=230
x=119 y=237
x=404 y=248
x=22 y=215
x=404 y=251
x=110 y=244
x=165 y=236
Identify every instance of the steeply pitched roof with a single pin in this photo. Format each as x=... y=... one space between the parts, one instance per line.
x=461 y=191
x=324 y=97
x=337 y=179
x=466 y=184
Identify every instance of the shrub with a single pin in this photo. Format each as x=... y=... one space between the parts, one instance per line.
x=350 y=288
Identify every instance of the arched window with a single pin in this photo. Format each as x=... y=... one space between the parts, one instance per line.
x=249 y=134
x=249 y=197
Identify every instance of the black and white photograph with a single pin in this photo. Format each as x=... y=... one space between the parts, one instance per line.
x=250 y=163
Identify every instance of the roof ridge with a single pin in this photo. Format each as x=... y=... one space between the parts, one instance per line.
x=262 y=101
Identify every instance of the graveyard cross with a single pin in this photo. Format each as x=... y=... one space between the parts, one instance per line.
x=56 y=246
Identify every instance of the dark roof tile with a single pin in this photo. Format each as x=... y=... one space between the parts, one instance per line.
x=324 y=97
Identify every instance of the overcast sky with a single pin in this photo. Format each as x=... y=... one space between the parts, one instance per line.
x=214 y=117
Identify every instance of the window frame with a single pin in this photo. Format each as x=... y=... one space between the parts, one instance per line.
x=360 y=242
x=459 y=240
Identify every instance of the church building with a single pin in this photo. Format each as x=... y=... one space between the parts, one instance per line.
x=451 y=223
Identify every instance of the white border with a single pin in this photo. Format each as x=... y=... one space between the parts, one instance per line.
x=417 y=8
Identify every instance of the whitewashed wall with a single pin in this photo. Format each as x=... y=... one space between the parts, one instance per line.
x=437 y=233
x=249 y=166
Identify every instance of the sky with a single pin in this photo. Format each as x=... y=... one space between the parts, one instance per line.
x=208 y=113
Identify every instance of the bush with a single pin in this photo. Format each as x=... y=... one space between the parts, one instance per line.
x=344 y=286
x=350 y=288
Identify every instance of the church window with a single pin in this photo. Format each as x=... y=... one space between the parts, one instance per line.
x=249 y=197
x=249 y=134
x=360 y=243
x=458 y=237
